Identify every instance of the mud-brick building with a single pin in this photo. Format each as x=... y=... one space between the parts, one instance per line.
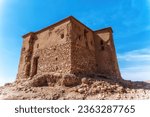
x=68 y=46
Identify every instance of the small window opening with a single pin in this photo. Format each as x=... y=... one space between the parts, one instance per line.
x=54 y=48
x=37 y=46
x=79 y=37
x=102 y=48
x=102 y=42
x=91 y=43
x=85 y=31
x=62 y=36
x=102 y=45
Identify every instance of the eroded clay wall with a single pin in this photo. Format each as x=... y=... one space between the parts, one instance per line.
x=82 y=49
x=49 y=52
x=105 y=54
x=26 y=56
x=68 y=47
x=53 y=36
x=115 y=61
x=53 y=49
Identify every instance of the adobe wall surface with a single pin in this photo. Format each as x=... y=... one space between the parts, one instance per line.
x=68 y=47
x=105 y=54
x=82 y=49
x=25 y=58
x=115 y=61
x=54 y=59
x=46 y=51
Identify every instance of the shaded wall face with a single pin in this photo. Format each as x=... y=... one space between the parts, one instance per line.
x=52 y=48
x=82 y=49
x=24 y=64
x=105 y=54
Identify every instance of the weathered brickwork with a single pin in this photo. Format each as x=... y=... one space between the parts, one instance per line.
x=82 y=49
x=105 y=53
x=68 y=47
x=83 y=60
x=60 y=56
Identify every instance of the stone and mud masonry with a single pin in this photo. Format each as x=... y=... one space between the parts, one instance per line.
x=71 y=87
x=68 y=60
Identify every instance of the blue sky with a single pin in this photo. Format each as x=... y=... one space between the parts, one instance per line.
x=130 y=20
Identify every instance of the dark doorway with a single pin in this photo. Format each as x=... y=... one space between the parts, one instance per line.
x=35 y=65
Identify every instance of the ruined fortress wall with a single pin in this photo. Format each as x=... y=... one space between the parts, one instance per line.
x=47 y=51
x=68 y=47
x=24 y=58
x=54 y=59
x=105 y=54
x=115 y=61
x=82 y=49
x=55 y=52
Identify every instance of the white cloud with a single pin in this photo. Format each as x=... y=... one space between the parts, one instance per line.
x=136 y=55
x=135 y=65
x=136 y=74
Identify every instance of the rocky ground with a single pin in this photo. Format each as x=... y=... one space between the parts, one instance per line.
x=89 y=88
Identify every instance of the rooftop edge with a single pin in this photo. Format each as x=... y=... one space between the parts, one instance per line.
x=61 y=21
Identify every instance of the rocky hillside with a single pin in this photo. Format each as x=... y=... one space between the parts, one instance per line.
x=66 y=87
